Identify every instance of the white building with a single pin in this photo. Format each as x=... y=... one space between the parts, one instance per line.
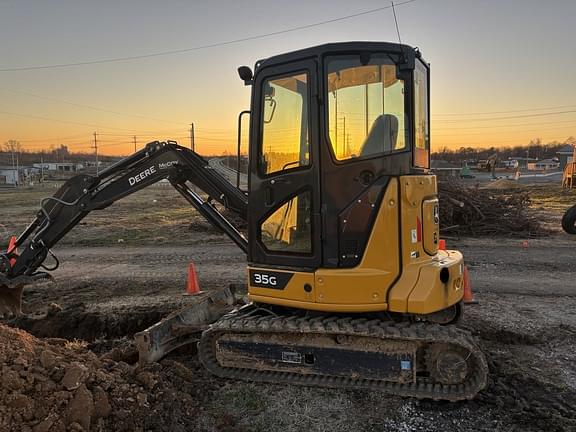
x=543 y=165
x=59 y=166
x=9 y=175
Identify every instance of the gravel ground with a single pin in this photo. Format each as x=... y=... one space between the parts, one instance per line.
x=121 y=274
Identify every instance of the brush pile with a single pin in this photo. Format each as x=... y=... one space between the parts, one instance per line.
x=483 y=212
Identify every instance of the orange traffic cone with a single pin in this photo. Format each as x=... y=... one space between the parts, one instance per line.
x=12 y=248
x=468 y=296
x=192 y=285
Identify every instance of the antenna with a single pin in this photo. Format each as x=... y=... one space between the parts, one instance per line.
x=398 y=32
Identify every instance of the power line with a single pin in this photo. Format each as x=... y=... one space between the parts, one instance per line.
x=506 y=133
x=87 y=106
x=63 y=121
x=445 y=128
x=490 y=143
x=503 y=112
x=507 y=117
x=53 y=139
x=202 y=47
x=76 y=123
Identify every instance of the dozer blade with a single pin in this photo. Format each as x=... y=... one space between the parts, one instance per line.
x=184 y=327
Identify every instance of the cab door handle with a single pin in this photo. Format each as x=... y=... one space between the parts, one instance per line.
x=279 y=180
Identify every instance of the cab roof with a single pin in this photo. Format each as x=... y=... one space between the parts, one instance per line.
x=339 y=48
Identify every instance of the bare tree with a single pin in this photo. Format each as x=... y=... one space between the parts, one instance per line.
x=12 y=146
x=15 y=148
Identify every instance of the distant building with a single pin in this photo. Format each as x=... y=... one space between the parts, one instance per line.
x=523 y=161
x=565 y=155
x=543 y=165
x=10 y=175
x=59 y=166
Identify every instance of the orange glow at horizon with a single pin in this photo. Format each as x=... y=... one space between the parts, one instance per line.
x=217 y=135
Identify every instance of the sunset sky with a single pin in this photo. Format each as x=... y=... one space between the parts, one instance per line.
x=503 y=71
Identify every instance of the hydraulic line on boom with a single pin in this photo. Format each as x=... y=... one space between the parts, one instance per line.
x=82 y=194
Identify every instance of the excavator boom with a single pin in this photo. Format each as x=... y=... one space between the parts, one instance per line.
x=83 y=193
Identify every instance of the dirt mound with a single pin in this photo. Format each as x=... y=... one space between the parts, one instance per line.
x=502 y=184
x=58 y=385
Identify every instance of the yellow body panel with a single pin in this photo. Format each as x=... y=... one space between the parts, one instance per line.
x=368 y=282
x=400 y=268
x=294 y=290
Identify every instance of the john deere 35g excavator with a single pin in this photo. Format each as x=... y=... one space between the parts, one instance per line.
x=347 y=287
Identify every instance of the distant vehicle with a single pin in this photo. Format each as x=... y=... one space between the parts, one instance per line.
x=466 y=173
x=569 y=220
x=510 y=164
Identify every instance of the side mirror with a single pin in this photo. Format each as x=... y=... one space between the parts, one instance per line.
x=245 y=74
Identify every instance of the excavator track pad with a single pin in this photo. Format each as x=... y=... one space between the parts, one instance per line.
x=421 y=360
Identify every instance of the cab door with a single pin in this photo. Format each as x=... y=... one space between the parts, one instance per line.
x=284 y=203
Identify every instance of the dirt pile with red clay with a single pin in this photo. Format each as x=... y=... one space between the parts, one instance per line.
x=58 y=385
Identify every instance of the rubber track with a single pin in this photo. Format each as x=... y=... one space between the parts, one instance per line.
x=426 y=333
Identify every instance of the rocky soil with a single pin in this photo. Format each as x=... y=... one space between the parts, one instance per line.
x=59 y=385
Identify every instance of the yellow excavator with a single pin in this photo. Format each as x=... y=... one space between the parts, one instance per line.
x=346 y=284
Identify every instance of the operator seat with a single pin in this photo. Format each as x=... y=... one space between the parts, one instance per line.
x=382 y=136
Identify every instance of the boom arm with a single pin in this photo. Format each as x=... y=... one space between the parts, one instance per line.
x=83 y=193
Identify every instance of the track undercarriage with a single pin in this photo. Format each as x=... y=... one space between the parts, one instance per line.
x=415 y=359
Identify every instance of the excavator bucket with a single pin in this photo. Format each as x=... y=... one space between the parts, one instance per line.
x=10 y=299
x=11 y=288
x=10 y=294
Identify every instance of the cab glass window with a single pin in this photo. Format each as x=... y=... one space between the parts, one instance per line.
x=285 y=142
x=422 y=134
x=288 y=228
x=365 y=106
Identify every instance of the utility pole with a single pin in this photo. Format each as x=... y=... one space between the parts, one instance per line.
x=347 y=149
x=14 y=168
x=134 y=143
x=18 y=166
x=192 y=146
x=96 y=153
x=42 y=167
x=344 y=136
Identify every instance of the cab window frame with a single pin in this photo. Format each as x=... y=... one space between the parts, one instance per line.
x=260 y=147
x=406 y=76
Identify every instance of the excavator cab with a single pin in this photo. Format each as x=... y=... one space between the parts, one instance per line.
x=339 y=184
